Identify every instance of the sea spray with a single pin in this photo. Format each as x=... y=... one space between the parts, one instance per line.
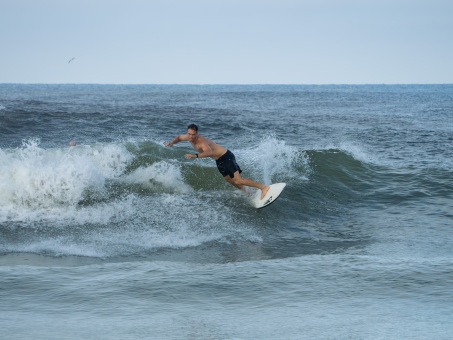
x=33 y=178
x=274 y=159
x=159 y=176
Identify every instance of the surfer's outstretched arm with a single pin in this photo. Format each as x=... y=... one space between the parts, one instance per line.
x=177 y=139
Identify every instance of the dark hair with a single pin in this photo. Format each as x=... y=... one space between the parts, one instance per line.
x=192 y=127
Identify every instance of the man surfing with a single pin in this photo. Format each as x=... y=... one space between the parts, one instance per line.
x=225 y=159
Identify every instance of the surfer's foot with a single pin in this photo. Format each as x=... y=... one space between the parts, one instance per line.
x=264 y=191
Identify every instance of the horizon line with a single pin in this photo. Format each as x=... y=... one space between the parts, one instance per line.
x=223 y=84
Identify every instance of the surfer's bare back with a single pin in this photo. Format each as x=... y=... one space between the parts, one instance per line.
x=225 y=159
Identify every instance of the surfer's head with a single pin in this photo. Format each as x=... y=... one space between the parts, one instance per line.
x=192 y=131
x=192 y=127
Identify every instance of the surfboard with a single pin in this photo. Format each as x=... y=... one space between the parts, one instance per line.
x=274 y=191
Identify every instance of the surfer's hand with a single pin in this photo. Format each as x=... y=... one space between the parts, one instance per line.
x=190 y=155
x=168 y=144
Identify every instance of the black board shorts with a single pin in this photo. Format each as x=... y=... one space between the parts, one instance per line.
x=227 y=164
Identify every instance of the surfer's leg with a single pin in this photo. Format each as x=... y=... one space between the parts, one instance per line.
x=239 y=183
x=233 y=182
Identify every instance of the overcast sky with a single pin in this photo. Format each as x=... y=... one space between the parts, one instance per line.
x=226 y=41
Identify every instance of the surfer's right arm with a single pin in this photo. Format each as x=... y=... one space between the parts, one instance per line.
x=177 y=139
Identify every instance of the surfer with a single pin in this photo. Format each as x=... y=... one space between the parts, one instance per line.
x=225 y=159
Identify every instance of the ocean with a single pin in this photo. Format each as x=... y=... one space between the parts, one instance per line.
x=120 y=237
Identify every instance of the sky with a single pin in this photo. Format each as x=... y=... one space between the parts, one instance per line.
x=226 y=41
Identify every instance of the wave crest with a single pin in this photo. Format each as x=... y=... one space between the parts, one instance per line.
x=35 y=178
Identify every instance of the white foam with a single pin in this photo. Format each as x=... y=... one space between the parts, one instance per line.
x=273 y=157
x=33 y=179
x=133 y=225
x=158 y=175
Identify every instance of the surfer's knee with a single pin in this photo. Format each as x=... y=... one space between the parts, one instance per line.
x=236 y=180
x=228 y=179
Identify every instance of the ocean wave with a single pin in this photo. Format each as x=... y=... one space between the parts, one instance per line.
x=34 y=179
x=137 y=197
x=117 y=199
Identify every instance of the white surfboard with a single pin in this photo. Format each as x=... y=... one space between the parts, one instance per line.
x=274 y=191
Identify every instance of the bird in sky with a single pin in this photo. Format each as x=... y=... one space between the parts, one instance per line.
x=71 y=59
